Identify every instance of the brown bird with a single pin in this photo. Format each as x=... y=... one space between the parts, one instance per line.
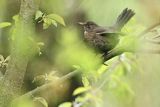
x=103 y=39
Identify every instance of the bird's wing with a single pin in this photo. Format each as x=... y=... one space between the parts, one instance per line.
x=106 y=30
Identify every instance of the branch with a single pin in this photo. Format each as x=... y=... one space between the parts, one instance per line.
x=113 y=53
x=47 y=86
x=149 y=29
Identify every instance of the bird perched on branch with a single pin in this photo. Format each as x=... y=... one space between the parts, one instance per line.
x=103 y=39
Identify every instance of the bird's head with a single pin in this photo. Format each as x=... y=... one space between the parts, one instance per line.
x=88 y=26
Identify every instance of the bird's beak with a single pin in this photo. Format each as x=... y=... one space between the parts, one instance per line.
x=81 y=23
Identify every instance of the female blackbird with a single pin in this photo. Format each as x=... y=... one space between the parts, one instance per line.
x=104 y=39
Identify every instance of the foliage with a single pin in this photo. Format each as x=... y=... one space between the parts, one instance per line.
x=50 y=19
x=66 y=104
x=4 y=24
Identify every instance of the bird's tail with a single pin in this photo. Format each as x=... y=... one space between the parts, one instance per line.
x=123 y=18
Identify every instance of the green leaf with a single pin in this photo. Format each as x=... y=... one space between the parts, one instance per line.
x=41 y=100
x=15 y=18
x=80 y=98
x=45 y=25
x=54 y=23
x=66 y=104
x=47 y=22
x=40 y=44
x=81 y=90
x=5 y=24
x=57 y=18
x=85 y=81
x=38 y=15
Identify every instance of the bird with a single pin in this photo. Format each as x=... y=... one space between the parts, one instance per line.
x=103 y=39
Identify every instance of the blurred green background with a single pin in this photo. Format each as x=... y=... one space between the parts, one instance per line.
x=138 y=84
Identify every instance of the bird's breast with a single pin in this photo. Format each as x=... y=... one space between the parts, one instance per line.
x=89 y=35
